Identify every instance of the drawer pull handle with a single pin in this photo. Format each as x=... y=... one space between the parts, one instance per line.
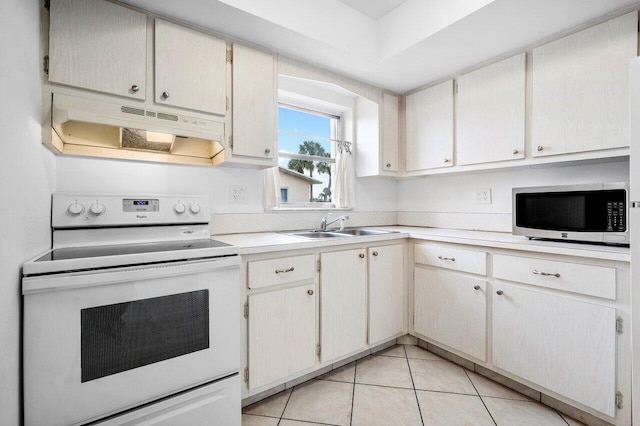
x=452 y=259
x=545 y=274
x=310 y=292
x=375 y=253
x=476 y=287
x=499 y=292
x=361 y=256
x=284 y=271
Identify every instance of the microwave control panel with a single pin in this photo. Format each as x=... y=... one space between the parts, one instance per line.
x=616 y=220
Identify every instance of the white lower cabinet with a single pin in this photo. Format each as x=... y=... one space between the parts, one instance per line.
x=452 y=309
x=563 y=344
x=386 y=292
x=282 y=333
x=343 y=303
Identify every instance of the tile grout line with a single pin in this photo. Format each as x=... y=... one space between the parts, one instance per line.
x=561 y=416
x=415 y=392
x=353 y=394
x=285 y=405
x=480 y=396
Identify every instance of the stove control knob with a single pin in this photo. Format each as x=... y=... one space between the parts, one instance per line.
x=97 y=208
x=75 y=209
x=195 y=208
x=179 y=208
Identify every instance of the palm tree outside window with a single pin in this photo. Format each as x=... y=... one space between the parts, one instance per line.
x=306 y=141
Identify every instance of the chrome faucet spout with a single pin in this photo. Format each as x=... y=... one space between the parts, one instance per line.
x=324 y=222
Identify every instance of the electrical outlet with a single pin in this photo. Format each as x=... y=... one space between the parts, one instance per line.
x=483 y=196
x=239 y=194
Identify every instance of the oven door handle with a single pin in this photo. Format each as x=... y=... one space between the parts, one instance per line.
x=39 y=284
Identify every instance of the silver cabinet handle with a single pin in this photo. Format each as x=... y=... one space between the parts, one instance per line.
x=283 y=271
x=375 y=253
x=499 y=292
x=446 y=160
x=165 y=95
x=388 y=164
x=546 y=274
x=476 y=287
x=267 y=151
x=452 y=259
x=135 y=88
x=540 y=148
x=361 y=256
x=515 y=151
x=310 y=292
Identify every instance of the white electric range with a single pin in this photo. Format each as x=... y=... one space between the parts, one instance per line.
x=132 y=317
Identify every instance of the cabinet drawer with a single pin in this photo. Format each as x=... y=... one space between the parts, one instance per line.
x=577 y=278
x=474 y=262
x=264 y=273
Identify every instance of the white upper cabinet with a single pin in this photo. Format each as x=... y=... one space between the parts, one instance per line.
x=581 y=89
x=98 y=46
x=190 y=69
x=390 y=129
x=254 y=103
x=490 y=113
x=429 y=128
x=376 y=130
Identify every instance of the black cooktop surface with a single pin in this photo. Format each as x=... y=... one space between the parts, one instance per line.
x=124 y=249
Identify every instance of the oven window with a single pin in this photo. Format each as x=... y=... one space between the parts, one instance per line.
x=123 y=336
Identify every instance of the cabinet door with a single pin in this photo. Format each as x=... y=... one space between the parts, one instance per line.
x=451 y=309
x=254 y=103
x=430 y=128
x=562 y=344
x=389 y=132
x=97 y=45
x=386 y=292
x=490 y=116
x=282 y=333
x=581 y=89
x=190 y=69
x=343 y=309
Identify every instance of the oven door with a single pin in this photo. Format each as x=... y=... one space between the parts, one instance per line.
x=97 y=343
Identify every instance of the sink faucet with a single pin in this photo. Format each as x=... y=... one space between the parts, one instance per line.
x=324 y=223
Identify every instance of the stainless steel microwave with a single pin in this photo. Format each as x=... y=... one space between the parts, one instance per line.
x=594 y=213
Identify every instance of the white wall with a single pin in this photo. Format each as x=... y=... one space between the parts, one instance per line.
x=454 y=195
x=84 y=174
x=26 y=180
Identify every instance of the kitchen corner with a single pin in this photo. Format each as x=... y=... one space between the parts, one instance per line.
x=170 y=167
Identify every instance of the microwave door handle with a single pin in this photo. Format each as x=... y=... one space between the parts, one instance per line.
x=635 y=204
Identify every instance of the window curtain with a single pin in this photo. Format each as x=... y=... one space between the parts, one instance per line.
x=271 y=188
x=343 y=184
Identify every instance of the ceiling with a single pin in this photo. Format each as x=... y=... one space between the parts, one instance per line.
x=374 y=9
x=398 y=45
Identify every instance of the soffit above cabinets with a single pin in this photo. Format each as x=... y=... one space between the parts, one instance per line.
x=398 y=45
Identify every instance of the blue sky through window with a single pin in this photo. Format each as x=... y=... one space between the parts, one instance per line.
x=292 y=120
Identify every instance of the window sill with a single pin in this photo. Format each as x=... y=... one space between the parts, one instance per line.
x=306 y=209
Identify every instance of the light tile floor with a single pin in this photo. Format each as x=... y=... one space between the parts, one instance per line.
x=401 y=385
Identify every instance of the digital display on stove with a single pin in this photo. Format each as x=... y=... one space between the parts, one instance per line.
x=132 y=205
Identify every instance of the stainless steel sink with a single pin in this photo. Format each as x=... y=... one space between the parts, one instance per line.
x=315 y=234
x=354 y=232
x=358 y=232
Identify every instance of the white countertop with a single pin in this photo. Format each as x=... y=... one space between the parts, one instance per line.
x=265 y=242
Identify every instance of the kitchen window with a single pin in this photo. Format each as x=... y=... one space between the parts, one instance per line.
x=307 y=141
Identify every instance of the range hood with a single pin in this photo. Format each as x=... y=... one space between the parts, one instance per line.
x=83 y=126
